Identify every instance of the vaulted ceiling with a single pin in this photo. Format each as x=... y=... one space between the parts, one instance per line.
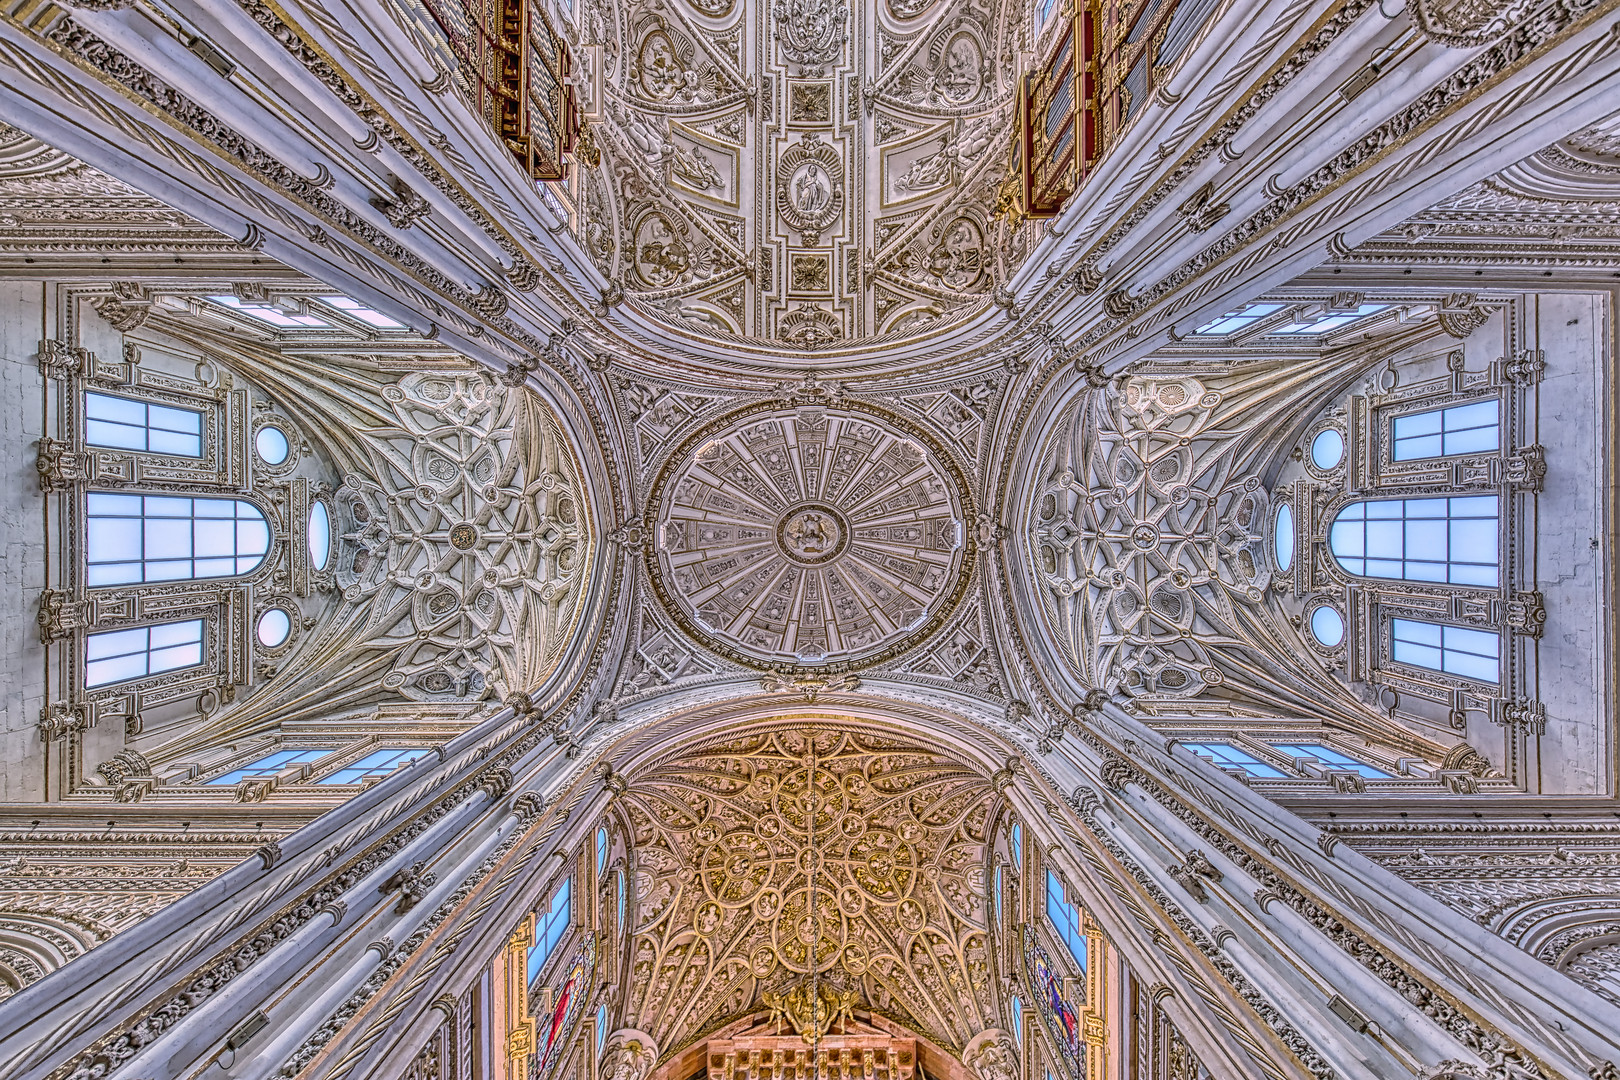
x=802 y=173
x=764 y=858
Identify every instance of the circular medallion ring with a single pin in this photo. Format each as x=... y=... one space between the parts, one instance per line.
x=810 y=534
x=803 y=538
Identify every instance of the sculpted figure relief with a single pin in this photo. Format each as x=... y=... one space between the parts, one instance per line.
x=992 y=1057
x=628 y=1055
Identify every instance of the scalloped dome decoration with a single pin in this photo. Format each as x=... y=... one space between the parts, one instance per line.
x=810 y=538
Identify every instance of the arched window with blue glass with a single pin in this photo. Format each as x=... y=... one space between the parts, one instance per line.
x=143 y=539
x=1444 y=541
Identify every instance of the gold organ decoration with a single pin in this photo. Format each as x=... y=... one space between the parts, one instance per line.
x=806 y=870
x=514 y=67
x=513 y=989
x=1098 y=70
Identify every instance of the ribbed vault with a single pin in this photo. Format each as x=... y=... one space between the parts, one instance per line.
x=809 y=853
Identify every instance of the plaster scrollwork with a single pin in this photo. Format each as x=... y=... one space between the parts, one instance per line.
x=665 y=67
x=835 y=254
x=951 y=70
x=810 y=31
x=1467 y=24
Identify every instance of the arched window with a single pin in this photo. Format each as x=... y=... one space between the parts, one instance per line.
x=134 y=539
x=601 y=851
x=1065 y=919
x=549 y=928
x=1450 y=541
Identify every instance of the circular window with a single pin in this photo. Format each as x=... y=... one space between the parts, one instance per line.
x=272 y=445
x=274 y=626
x=1327 y=449
x=1327 y=626
x=1284 y=538
x=320 y=535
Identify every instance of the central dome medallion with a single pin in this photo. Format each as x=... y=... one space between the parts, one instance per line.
x=810 y=537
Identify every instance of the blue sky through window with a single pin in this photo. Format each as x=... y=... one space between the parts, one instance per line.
x=1065 y=919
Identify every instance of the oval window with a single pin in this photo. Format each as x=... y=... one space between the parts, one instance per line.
x=274 y=626
x=1327 y=449
x=1327 y=626
x=1284 y=538
x=320 y=535
x=272 y=445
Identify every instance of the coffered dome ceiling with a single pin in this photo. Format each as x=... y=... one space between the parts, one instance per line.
x=765 y=857
x=810 y=537
x=808 y=173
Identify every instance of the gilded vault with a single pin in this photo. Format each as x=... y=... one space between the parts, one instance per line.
x=770 y=857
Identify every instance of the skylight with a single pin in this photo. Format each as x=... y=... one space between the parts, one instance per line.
x=1244 y=317
x=1329 y=320
x=356 y=310
x=1233 y=321
x=267 y=313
